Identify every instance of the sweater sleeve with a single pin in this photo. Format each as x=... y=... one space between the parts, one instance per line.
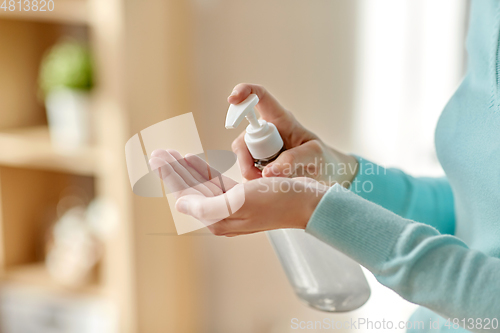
x=424 y=199
x=425 y=267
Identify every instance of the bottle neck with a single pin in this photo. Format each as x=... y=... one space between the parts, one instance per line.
x=252 y=119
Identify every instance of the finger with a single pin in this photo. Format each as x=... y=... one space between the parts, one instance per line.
x=173 y=182
x=181 y=171
x=313 y=185
x=204 y=208
x=210 y=173
x=248 y=170
x=300 y=160
x=196 y=175
x=306 y=180
x=268 y=107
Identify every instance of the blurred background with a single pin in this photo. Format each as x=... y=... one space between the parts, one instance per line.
x=80 y=253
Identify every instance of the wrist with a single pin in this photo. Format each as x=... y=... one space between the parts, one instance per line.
x=346 y=169
x=314 y=196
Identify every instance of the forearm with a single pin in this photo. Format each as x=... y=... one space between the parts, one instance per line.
x=425 y=267
x=426 y=200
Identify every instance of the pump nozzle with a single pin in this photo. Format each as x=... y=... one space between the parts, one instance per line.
x=262 y=138
x=245 y=109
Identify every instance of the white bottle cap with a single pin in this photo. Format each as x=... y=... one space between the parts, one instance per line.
x=262 y=138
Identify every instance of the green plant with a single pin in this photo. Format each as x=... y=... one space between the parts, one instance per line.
x=67 y=64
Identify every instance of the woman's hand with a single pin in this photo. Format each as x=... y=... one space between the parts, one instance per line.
x=257 y=205
x=306 y=154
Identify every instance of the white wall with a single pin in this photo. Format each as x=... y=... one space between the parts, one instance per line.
x=302 y=51
x=410 y=60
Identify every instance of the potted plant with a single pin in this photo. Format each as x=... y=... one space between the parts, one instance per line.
x=65 y=80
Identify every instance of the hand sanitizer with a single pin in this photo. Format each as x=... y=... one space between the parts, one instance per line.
x=322 y=277
x=262 y=138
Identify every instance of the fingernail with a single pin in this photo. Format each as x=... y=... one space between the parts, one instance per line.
x=234 y=93
x=183 y=206
x=271 y=170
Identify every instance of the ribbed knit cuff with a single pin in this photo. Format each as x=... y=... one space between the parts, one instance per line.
x=361 y=229
x=386 y=187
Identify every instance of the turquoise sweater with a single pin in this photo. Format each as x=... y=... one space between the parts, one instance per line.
x=436 y=241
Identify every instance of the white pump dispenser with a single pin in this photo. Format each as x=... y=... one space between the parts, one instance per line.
x=321 y=276
x=262 y=138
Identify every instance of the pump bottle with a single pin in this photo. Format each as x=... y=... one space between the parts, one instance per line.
x=322 y=277
x=262 y=138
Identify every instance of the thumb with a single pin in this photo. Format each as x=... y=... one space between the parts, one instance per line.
x=212 y=209
x=297 y=160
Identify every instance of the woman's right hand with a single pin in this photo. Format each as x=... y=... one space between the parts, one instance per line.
x=306 y=154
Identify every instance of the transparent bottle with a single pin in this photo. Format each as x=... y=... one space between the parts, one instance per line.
x=321 y=276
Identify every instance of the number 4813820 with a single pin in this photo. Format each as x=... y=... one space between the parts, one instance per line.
x=27 y=5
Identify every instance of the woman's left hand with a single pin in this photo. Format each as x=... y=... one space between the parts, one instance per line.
x=258 y=205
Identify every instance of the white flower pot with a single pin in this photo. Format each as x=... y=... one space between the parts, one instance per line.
x=68 y=116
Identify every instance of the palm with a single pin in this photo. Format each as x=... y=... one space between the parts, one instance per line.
x=188 y=176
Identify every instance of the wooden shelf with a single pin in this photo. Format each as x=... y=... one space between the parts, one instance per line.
x=131 y=275
x=37 y=276
x=31 y=148
x=65 y=11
